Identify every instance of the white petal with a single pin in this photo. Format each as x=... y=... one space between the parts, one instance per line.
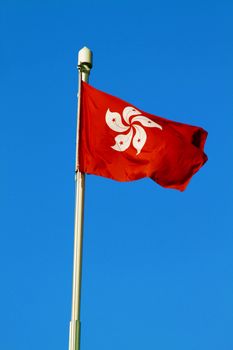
x=139 y=138
x=114 y=121
x=123 y=141
x=146 y=122
x=129 y=112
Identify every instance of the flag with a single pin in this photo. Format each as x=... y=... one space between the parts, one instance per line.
x=119 y=141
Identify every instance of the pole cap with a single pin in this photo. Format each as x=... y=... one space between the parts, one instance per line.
x=85 y=57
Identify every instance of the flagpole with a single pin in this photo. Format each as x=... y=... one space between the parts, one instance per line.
x=84 y=67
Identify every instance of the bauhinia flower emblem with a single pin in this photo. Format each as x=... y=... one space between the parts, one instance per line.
x=136 y=132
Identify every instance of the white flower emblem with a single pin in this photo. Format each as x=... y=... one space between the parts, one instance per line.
x=136 y=132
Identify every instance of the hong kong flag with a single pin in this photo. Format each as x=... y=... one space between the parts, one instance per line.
x=121 y=142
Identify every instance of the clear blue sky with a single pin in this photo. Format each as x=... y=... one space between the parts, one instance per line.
x=158 y=264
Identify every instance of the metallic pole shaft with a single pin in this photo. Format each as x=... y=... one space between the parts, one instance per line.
x=84 y=66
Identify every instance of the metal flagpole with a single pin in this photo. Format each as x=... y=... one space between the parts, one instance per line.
x=84 y=67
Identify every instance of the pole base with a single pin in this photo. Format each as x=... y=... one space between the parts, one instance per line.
x=74 y=341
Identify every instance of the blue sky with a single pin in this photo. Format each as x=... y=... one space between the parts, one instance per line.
x=157 y=263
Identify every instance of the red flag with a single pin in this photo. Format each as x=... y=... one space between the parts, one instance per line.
x=121 y=142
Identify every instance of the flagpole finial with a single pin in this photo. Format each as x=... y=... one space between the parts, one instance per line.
x=85 y=58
